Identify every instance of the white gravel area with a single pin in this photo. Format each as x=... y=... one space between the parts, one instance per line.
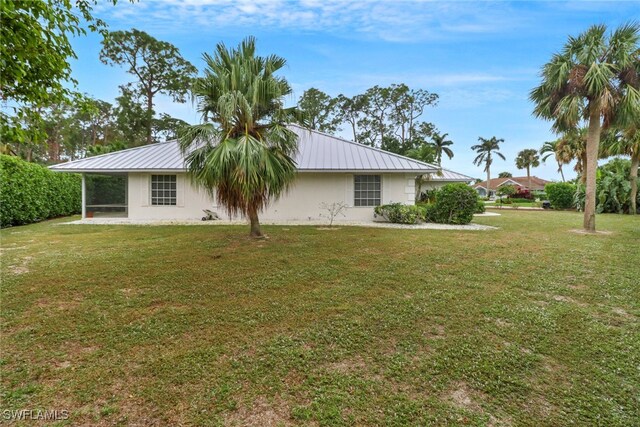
x=487 y=214
x=372 y=224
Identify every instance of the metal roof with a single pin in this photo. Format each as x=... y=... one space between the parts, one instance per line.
x=449 y=175
x=317 y=152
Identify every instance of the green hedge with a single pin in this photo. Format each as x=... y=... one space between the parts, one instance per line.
x=31 y=193
x=560 y=194
x=400 y=214
x=454 y=204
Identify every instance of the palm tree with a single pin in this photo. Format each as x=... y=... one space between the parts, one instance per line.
x=441 y=145
x=243 y=152
x=485 y=151
x=527 y=159
x=572 y=145
x=627 y=143
x=595 y=79
x=550 y=148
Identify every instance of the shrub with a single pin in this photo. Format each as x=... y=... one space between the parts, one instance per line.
x=519 y=200
x=480 y=207
x=31 y=193
x=400 y=214
x=455 y=204
x=560 y=194
x=541 y=195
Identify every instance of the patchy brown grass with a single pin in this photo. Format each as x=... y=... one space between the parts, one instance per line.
x=178 y=325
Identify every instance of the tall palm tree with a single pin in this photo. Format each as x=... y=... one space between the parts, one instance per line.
x=243 y=152
x=594 y=79
x=550 y=148
x=486 y=149
x=627 y=143
x=527 y=159
x=441 y=145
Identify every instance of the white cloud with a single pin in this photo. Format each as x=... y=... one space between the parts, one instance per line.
x=404 y=21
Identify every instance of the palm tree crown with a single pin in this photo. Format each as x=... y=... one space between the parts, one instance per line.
x=441 y=145
x=527 y=159
x=243 y=152
x=548 y=149
x=486 y=149
x=594 y=79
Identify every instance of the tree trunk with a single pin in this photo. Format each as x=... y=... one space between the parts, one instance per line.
x=529 y=181
x=561 y=172
x=583 y=160
x=149 y=115
x=591 y=165
x=633 y=177
x=488 y=181
x=255 y=222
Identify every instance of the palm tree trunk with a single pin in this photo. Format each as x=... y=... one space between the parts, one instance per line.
x=591 y=165
x=529 y=180
x=488 y=181
x=561 y=172
x=255 y=222
x=633 y=177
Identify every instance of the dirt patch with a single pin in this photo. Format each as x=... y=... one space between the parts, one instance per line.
x=347 y=366
x=328 y=228
x=461 y=396
x=261 y=413
x=435 y=332
x=622 y=312
x=503 y=323
x=563 y=298
x=22 y=268
x=592 y=233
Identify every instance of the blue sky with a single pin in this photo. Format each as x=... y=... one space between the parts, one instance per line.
x=482 y=58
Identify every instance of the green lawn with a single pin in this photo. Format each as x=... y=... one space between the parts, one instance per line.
x=530 y=324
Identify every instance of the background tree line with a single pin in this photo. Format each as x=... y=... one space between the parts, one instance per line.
x=45 y=119
x=390 y=118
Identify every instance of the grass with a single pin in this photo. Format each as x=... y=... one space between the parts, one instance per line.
x=527 y=325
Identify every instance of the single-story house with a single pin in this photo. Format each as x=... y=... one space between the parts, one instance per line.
x=151 y=182
x=520 y=182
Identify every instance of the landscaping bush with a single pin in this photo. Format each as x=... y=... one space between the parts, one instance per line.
x=519 y=200
x=541 y=195
x=31 y=193
x=400 y=214
x=560 y=194
x=480 y=207
x=455 y=204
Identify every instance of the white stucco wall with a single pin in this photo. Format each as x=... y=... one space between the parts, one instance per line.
x=301 y=202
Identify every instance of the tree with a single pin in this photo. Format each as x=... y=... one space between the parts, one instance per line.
x=486 y=149
x=349 y=110
x=157 y=65
x=627 y=143
x=550 y=148
x=505 y=175
x=595 y=79
x=35 y=53
x=441 y=145
x=318 y=110
x=243 y=152
x=527 y=159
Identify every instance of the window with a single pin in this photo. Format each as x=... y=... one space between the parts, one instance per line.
x=163 y=190
x=367 y=190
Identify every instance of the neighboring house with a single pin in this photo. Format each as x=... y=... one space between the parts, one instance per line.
x=521 y=183
x=150 y=182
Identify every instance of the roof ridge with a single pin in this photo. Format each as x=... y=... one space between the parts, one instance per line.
x=115 y=152
x=380 y=150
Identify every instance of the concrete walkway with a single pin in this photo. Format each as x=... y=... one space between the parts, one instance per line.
x=324 y=224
